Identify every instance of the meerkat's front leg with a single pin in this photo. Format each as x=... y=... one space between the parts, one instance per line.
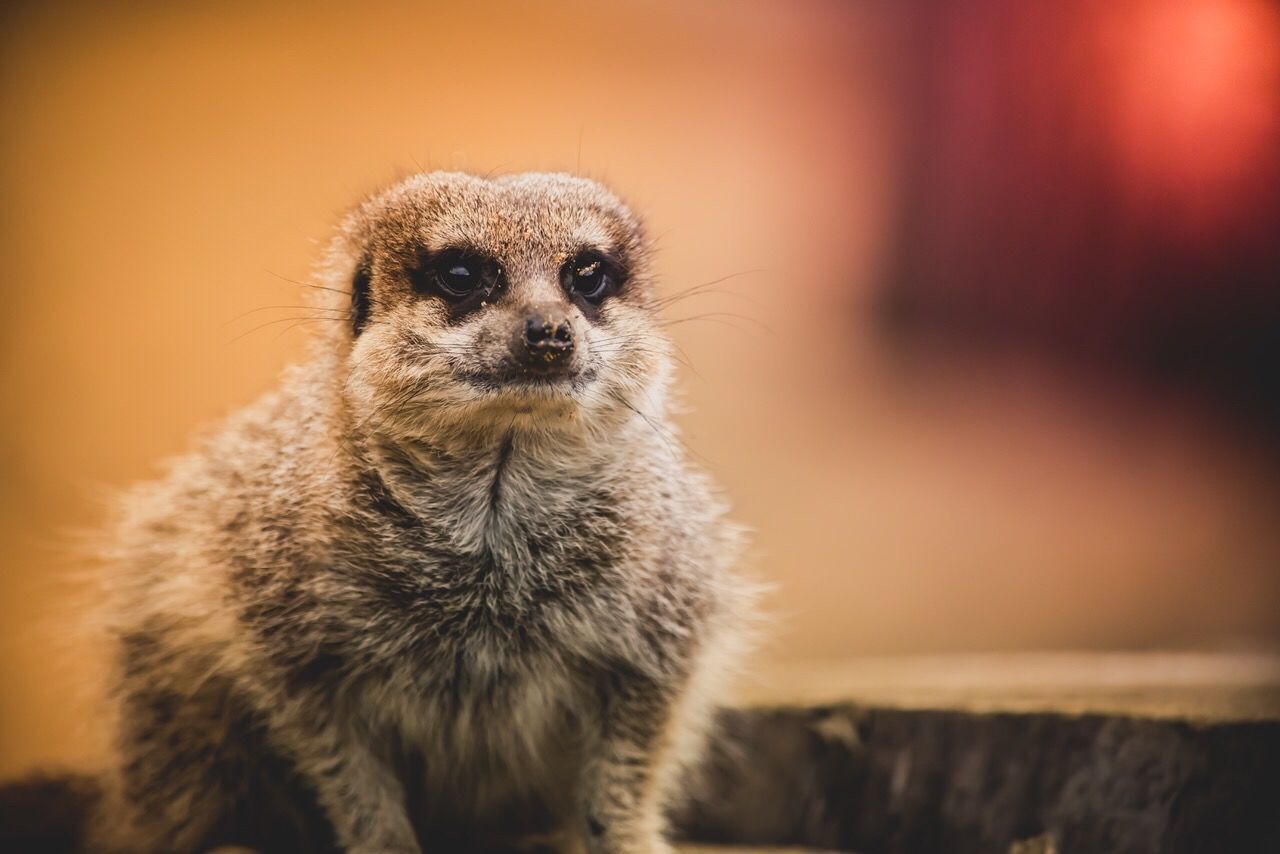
x=625 y=788
x=357 y=789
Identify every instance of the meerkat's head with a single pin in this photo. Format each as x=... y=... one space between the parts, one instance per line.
x=521 y=302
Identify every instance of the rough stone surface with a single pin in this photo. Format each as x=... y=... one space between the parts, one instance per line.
x=902 y=781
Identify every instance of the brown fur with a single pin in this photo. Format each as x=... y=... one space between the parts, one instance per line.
x=416 y=598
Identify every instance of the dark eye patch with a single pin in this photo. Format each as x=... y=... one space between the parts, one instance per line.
x=591 y=276
x=360 y=296
x=462 y=277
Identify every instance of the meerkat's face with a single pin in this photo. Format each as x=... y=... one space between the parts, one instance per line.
x=519 y=302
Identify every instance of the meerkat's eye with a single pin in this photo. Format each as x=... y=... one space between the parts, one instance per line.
x=457 y=274
x=590 y=275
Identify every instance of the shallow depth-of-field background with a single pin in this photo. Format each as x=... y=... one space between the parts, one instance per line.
x=988 y=368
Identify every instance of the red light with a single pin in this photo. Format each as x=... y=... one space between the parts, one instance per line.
x=1197 y=107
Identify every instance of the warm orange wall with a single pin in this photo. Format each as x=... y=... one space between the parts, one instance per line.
x=168 y=168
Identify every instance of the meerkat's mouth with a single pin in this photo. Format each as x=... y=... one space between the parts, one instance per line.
x=525 y=384
x=528 y=399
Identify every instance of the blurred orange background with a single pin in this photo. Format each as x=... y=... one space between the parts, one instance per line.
x=170 y=171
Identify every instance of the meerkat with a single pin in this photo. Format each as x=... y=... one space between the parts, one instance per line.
x=454 y=584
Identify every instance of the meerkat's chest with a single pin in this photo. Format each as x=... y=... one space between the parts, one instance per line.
x=490 y=589
x=523 y=573
x=509 y=609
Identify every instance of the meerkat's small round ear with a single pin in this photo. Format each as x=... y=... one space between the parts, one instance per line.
x=361 y=299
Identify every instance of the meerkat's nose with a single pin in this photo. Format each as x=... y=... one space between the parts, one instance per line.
x=544 y=339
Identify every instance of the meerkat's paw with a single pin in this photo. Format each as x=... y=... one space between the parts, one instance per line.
x=645 y=845
x=551 y=842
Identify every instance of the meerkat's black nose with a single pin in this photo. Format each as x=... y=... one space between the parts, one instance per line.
x=544 y=340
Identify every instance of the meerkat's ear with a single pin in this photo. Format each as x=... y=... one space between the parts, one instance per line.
x=360 y=296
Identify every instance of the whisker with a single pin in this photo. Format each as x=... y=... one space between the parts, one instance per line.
x=323 y=288
x=245 y=314
x=705 y=287
x=647 y=420
x=721 y=317
x=302 y=284
x=287 y=320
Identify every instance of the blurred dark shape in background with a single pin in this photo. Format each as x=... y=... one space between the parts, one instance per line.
x=1100 y=182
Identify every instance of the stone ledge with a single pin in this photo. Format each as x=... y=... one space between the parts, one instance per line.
x=1167 y=685
x=1080 y=753
x=1047 y=754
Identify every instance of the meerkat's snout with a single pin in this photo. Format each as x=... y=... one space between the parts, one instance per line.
x=543 y=341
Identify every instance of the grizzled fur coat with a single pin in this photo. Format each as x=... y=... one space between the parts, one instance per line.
x=452 y=586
